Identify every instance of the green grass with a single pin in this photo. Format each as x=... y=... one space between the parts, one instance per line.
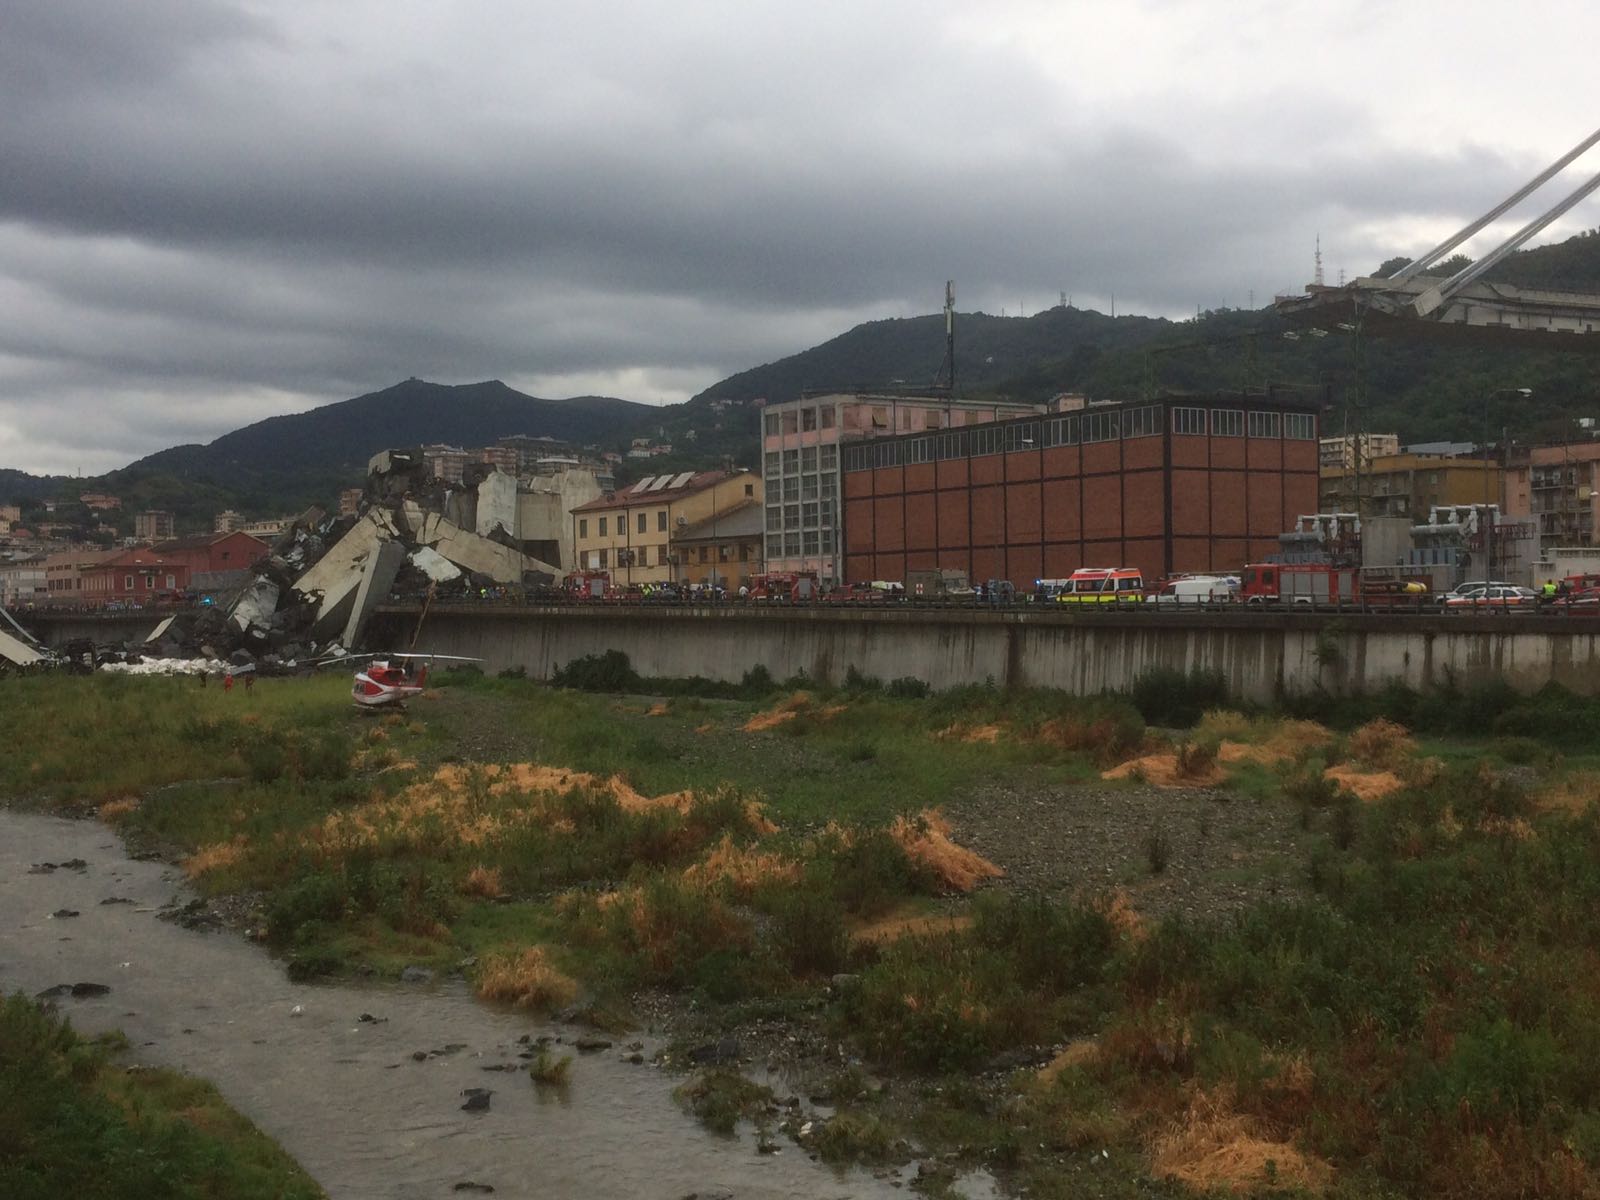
x=1435 y=984
x=73 y=1123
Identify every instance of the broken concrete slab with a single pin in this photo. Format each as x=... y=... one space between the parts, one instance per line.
x=346 y=555
x=435 y=565
x=255 y=605
x=468 y=550
x=155 y=634
x=377 y=578
x=18 y=652
x=497 y=504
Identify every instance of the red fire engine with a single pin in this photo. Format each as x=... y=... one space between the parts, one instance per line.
x=1325 y=583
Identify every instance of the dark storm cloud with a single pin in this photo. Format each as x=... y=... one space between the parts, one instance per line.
x=213 y=212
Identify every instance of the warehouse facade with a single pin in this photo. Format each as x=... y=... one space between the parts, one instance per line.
x=1183 y=483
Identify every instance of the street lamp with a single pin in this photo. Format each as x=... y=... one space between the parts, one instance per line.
x=1488 y=517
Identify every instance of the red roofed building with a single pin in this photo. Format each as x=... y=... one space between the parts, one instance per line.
x=138 y=576
x=211 y=552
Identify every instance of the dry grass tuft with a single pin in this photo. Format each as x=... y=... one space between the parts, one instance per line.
x=1224 y=724
x=113 y=811
x=1382 y=743
x=393 y=719
x=527 y=980
x=959 y=732
x=215 y=856
x=787 y=710
x=1122 y=916
x=1365 y=785
x=1163 y=770
x=741 y=869
x=704 y=729
x=1212 y=1147
x=1573 y=795
x=376 y=735
x=659 y=709
x=484 y=882
x=927 y=843
x=899 y=925
x=1079 y=1053
x=1514 y=829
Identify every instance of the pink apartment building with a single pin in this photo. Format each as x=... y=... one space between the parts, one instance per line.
x=800 y=463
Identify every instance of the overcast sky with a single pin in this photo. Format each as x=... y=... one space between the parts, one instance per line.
x=213 y=211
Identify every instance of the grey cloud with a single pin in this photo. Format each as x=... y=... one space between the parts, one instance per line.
x=205 y=214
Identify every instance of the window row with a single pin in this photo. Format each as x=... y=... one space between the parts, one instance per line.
x=604 y=525
x=793 y=545
x=797 y=516
x=1091 y=427
x=799 y=420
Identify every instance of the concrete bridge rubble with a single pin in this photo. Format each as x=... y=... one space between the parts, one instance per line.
x=314 y=591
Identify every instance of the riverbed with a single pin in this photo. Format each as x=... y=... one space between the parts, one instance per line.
x=363 y=1085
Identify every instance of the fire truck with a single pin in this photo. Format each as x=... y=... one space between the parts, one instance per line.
x=587 y=585
x=1329 y=584
x=787 y=587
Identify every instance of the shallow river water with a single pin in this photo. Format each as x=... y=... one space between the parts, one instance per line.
x=346 y=1097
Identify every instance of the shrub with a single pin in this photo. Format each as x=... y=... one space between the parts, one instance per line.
x=546 y=1070
x=308 y=900
x=758 y=682
x=719 y=1098
x=907 y=687
x=855 y=1137
x=808 y=931
x=865 y=869
x=608 y=672
x=1197 y=757
x=1157 y=851
x=1169 y=697
x=1052 y=945
x=856 y=683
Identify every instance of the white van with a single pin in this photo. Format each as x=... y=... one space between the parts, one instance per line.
x=1195 y=589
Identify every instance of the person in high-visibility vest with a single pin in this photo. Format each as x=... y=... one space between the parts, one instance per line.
x=1549 y=590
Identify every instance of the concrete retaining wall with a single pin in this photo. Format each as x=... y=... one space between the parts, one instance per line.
x=1262 y=655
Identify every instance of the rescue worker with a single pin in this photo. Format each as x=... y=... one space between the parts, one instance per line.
x=1549 y=590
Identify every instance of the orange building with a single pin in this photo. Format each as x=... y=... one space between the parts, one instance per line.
x=1202 y=483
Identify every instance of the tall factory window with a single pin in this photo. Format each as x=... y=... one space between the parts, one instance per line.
x=829 y=483
x=661 y=517
x=1061 y=431
x=826 y=413
x=791 y=488
x=886 y=454
x=856 y=458
x=1227 y=422
x=1024 y=435
x=774 y=491
x=1189 y=420
x=774 y=462
x=1099 y=427
x=830 y=458
x=984 y=440
x=919 y=450
x=808 y=515
x=952 y=445
x=809 y=542
x=1142 y=422
x=791 y=516
x=808 y=458
x=808 y=487
x=808 y=420
x=791 y=421
x=791 y=462
x=1263 y=424
x=1302 y=427
x=772 y=424
x=775 y=519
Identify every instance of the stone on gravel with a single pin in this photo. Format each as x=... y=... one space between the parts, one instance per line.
x=477 y=1100
x=588 y=1045
x=416 y=975
x=61 y=914
x=718 y=1053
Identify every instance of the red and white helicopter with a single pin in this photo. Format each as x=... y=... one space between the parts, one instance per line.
x=390 y=680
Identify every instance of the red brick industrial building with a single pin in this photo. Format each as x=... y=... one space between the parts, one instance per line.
x=1196 y=483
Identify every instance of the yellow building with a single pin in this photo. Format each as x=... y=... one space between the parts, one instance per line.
x=630 y=532
x=1408 y=485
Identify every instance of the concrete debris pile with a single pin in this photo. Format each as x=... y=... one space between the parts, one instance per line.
x=311 y=596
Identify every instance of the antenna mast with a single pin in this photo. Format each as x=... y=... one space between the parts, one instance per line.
x=947 y=371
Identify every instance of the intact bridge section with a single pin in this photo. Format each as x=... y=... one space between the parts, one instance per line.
x=1263 y=655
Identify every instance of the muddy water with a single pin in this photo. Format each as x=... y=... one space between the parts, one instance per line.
x=346 y=1097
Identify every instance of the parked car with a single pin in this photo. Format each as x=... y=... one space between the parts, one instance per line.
x=1492 y=597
